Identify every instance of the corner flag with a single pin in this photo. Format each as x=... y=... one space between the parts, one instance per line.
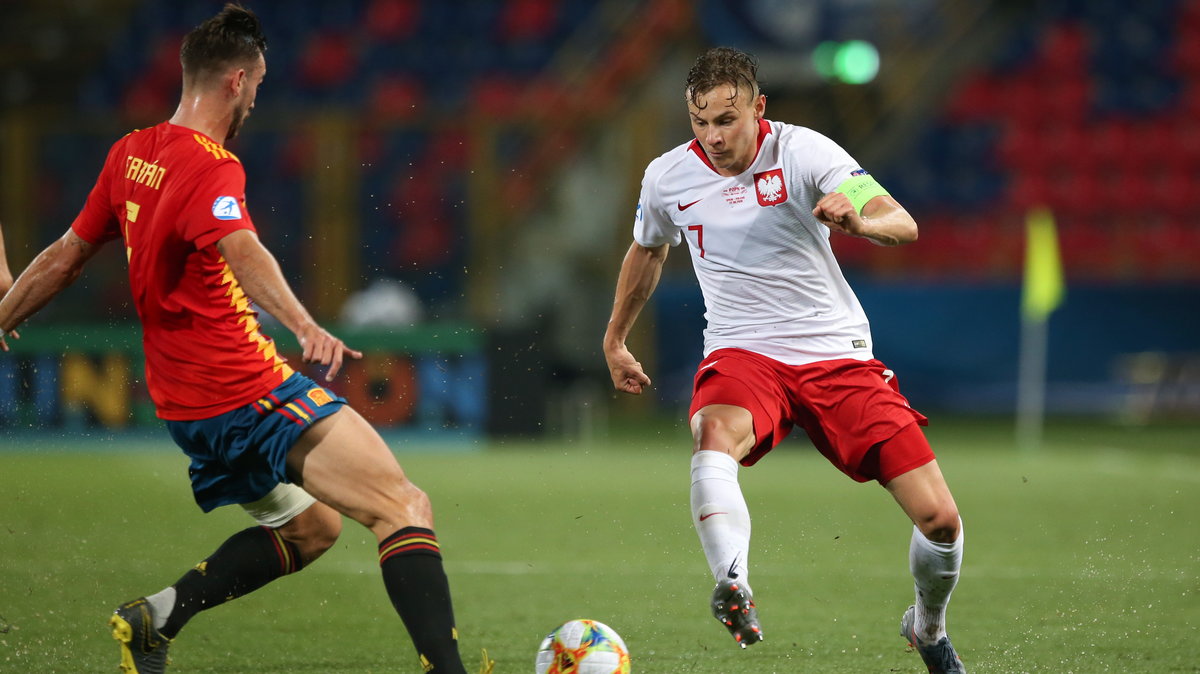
x=1042 y=293
x=1044 y=289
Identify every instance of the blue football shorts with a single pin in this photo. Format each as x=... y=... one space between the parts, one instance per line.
x=241 y=455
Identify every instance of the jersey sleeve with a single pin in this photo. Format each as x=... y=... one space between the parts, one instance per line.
x=97 y=223
x=651 y=226
x=834 y=170
x=218 y=205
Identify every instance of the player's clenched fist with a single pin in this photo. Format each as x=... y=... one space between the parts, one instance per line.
x=627 y=374
x=835 y=211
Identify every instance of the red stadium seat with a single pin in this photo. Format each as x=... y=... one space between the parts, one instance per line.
x=396 y=97
x=1063 y=52
x=975 y=100
x=1021 y=101
x=1078 y=194
x=1088 y=249
x=1062 y=144
x=1019 y=146
x=147 y=102
x=527 y=20
x=328 y=60
x=1110 y=145
x=392 y=20
x=1029 y=189
x=1068 y=100
x=496 y=95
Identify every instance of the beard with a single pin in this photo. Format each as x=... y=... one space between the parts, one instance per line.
x=235 y=124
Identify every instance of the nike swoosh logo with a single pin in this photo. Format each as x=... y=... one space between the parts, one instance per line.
x=684 y=207
x=705 y=367
x=704 y=517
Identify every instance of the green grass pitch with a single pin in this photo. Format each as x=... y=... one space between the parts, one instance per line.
x=1083 y=557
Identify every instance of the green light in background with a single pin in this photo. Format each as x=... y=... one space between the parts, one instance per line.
x=856 y=62
x=823 y=59
x=852 y=62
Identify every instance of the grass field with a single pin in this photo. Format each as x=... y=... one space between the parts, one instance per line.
x=1083 y=557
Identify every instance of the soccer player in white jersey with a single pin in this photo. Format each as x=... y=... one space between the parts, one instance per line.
x=787 y=342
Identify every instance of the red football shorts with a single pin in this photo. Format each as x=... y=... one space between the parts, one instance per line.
x=851 y=409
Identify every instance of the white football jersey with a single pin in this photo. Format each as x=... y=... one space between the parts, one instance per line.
x=770 y=281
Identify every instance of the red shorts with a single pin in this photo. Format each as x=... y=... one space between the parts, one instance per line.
x=850 y=409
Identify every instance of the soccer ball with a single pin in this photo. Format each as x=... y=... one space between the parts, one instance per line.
x=583 y=647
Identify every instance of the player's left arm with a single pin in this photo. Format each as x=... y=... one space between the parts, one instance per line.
x=259 y=275
x=882 y=219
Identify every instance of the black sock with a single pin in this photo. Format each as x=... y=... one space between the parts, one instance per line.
x=412 y=573
x=245 y=562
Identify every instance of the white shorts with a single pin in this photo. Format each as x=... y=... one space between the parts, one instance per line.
x=279 y=506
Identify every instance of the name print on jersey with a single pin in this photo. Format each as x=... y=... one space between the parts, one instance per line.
x=770 y=187
x=143 y=172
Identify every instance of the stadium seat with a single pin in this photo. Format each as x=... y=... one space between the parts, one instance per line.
x=391 y=20
x=396 y=97
x=327 y=60
x=527 y=20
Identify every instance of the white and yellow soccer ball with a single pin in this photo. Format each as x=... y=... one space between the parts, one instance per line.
x=583 y=647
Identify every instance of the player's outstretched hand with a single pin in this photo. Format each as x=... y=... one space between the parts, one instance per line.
x=835 y=211
x=627 y=374
x=321 y=347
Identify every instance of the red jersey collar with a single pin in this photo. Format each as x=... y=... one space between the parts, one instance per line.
x=764 y=127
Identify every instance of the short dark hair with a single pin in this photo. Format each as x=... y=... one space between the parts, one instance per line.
x=722 y=65
x=233 y=36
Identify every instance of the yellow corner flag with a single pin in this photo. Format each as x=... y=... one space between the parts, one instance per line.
x=1044 y=288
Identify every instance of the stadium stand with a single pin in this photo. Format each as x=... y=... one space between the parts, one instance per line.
x=1076 y=110
x=1088 y=110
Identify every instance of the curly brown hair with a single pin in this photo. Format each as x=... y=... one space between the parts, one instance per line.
x=722 y=65
x=233 y=36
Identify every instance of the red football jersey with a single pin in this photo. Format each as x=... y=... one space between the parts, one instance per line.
x=171 y=193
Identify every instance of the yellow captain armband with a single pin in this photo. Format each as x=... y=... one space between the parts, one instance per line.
x=861 y=189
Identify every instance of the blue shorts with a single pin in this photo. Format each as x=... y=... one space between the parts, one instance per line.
x=239 y=456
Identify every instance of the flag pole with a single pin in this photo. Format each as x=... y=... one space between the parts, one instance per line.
x=1042 y=292
x=1031 y=383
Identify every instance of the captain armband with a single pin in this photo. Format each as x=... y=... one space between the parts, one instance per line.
x=861 y=189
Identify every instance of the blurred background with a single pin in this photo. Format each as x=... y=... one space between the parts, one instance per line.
x=454 y=183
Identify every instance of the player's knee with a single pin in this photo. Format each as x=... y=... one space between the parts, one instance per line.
x=413 y=499
x=941 y=525
x=398 y=503
x=715 y=432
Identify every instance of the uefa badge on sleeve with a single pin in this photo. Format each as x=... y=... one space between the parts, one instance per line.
x=226 y=208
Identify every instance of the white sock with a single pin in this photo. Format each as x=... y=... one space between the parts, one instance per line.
x=720 y=514
x=934 y=569
x=163 y=603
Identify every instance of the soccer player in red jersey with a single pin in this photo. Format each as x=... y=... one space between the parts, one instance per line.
x=289 y=451
x=787 y=342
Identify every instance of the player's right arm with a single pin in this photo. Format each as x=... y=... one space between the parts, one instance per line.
x=639 y=276
x=50 y=273
x=259 y=275
x=653 y=234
